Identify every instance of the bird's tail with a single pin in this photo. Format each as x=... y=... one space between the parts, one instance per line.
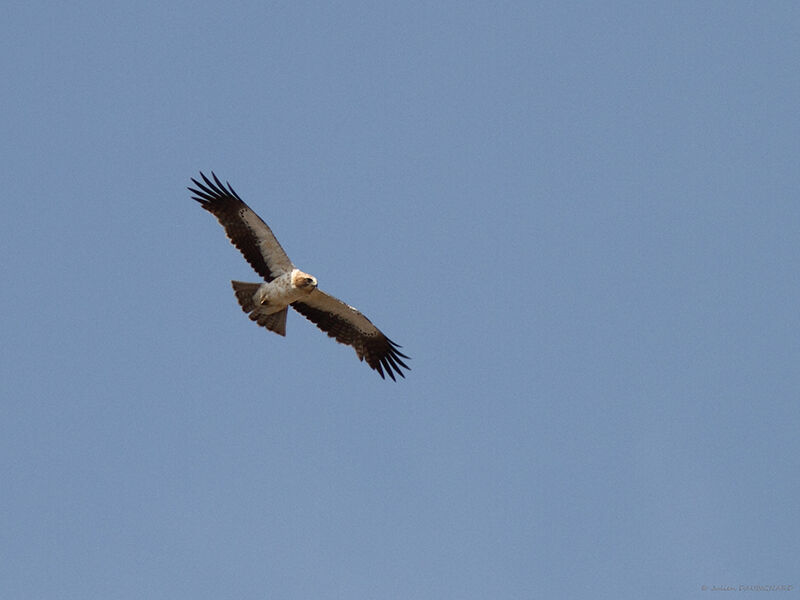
x=274 y=321
x=244 y=294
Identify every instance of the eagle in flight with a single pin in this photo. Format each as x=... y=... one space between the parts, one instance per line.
x=286 y=285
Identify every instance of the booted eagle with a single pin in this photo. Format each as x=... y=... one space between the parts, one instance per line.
x=286 y=285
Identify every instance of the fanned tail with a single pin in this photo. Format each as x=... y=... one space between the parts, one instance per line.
x=274 y=321
x=244 y=294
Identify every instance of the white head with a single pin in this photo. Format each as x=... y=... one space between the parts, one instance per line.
x=304 y=281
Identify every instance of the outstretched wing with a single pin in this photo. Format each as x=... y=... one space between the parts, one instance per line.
x=244 y=228
x=350 y=327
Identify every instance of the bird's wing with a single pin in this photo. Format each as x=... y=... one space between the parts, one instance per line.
x=244 y=228
x=348 y=326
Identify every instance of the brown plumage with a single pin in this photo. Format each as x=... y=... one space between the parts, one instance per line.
x=266 y=303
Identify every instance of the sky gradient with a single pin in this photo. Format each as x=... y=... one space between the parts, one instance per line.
x=580 y=220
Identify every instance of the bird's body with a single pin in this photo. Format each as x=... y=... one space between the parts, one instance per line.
x=276 y=295
x=286 y=285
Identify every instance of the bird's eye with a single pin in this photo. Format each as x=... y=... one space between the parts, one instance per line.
x=309 y=280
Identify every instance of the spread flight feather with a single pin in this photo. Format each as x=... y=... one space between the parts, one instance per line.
x=286 y=285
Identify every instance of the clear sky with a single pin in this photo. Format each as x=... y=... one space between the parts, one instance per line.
x=581 y=221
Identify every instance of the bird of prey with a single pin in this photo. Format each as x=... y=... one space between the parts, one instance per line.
x=286 y=285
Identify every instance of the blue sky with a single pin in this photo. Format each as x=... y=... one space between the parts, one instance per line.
x=580 y=220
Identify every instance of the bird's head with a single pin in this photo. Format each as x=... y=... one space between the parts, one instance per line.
x=304 y=281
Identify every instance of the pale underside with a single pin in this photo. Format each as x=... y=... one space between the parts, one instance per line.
x=267 y=303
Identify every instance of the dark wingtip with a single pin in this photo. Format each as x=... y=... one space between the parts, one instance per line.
x=391 y=362
x=212 y=189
